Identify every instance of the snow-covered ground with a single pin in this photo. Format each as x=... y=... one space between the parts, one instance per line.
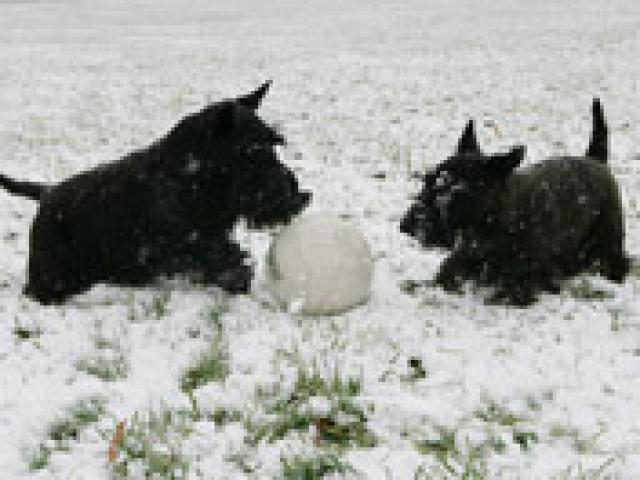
x=415 y=384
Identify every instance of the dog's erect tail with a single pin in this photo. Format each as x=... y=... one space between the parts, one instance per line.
x=30 y=190
x=599 y=144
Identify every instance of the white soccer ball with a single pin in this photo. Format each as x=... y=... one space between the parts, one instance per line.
x=319 y=265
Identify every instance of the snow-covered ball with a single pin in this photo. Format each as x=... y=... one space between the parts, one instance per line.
x=319 y=265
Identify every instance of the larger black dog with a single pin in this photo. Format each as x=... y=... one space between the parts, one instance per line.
x=166 y=209
x=522 y=231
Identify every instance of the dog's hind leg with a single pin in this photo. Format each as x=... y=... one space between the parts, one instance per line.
x=56 y=268
x=518 y=295
x=49 y=281
x=520 y=277
x=607 y=250
x=613 y=262
x=519 y=287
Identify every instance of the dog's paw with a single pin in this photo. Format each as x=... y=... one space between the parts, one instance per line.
x=449 y=283
x=616 y=268
x=519 y=297
x=45 y=296
x=236 y=280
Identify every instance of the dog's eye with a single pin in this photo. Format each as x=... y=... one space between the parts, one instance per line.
x=443 y=179
x=456 y=187
x=192 y=165
x=443 y=200
x=255 y=147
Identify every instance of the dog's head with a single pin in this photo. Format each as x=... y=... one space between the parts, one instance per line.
x=222 y=129
x=227 y=141
x=455 y=194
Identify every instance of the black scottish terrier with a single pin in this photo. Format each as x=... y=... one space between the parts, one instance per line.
x=165 y=209
x=524 y=231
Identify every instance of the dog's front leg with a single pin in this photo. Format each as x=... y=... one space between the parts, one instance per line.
x=520 y=280
x=461 y=265
x=222 y=262
x=517 y=294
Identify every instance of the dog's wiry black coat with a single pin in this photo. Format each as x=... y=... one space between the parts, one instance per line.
x=522 y=231
x=163 y=210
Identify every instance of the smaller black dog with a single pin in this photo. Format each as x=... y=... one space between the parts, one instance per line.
x=522 y=231
x=165 y=209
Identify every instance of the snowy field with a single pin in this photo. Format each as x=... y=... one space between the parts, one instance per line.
x=183 y=381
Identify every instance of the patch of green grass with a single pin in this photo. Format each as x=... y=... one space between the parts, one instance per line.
x=411 y=287
x=524 y=438
x=243 y=461
x=585 y=290
x=82 y=414
x=159 y=304
x=151 y=447
x=464 y=463
x=615 y=322
x=26 y=330
x=635 y=265
x=156 y=308
x=39 y=459
x=222 y=416
x=214 y=320
x=441 y=448
x=212 y=366
x=342 y=425
x=66 y=429
x=301 y=468
x=23 y=332
x=494 y=413
x=106 y=368
x=416 y=369
x=578 y=472
x=580 y=443
x=103 y=343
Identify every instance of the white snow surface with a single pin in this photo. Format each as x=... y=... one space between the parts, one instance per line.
x=366 y=92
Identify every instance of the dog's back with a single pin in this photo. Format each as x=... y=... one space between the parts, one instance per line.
x=562 y=209
x=90 y=225
x=558 y=192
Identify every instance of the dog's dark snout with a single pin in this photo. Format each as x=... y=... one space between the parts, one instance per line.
x=278 y=138
x=406 y=224
x=304 y=197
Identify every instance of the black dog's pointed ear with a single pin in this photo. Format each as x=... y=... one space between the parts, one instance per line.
x=252 y=100
x=599 y=144
x=225 y=119
x=468 y=142
x=502 y=164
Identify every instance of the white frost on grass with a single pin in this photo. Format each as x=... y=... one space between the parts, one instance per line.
x=366 y=95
